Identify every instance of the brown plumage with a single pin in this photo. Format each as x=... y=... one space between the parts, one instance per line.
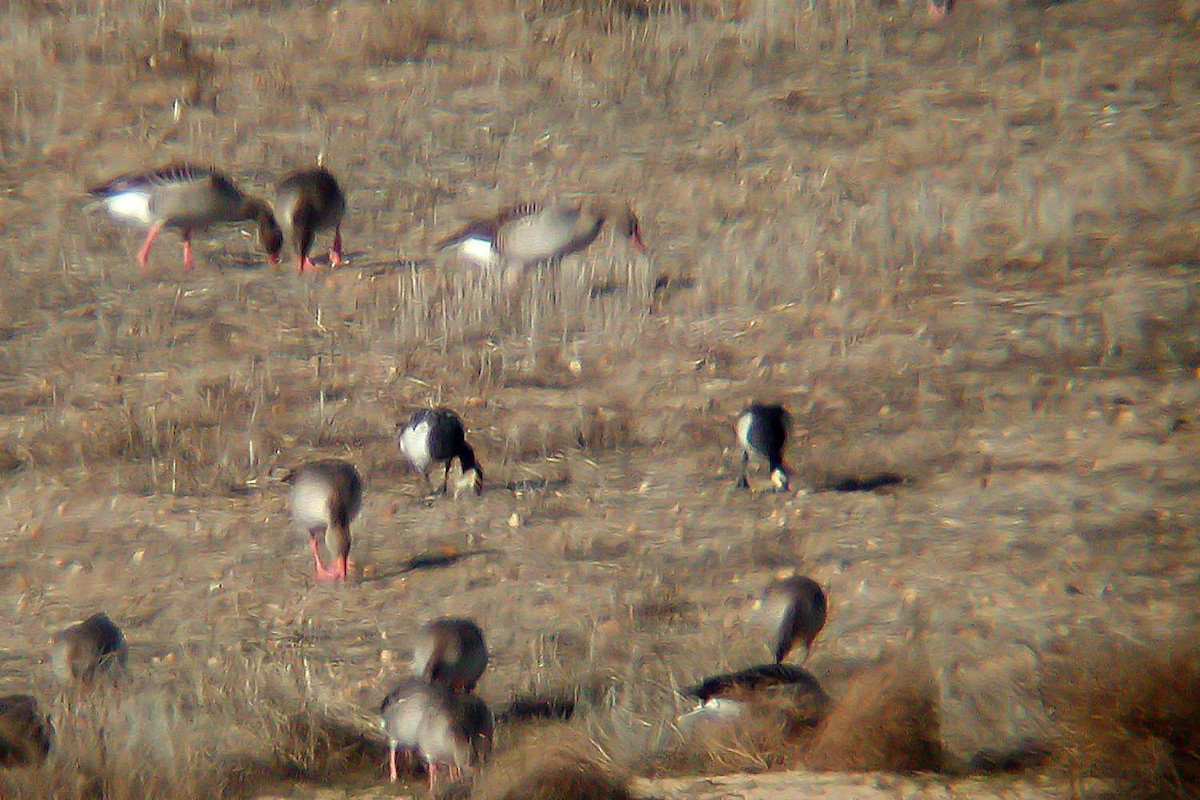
x=530 y=234
x=188 y=198
x=800 y=606
x=26 y=736
x=84 y=652
x=306 y=202
x=325 y=499
x=451 y=652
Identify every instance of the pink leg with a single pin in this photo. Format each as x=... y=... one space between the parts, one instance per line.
x=322 y=573
x=335 y=252
x=305 y=264
x=394 y=772
x=144 y=254
x=341 y=568
x=188 y=263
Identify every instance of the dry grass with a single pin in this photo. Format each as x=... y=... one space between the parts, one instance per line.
x=963 y=255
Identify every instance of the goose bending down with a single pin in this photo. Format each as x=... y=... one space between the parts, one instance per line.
x=531 y=234
x=325 y=499
x=26 y=735
x=400 y=716
x=436 y=436
x=87 y=650
x=762 y=432
x=447 y=729
x=306 y=202
x=451 y=652
x=797 y=606
x=188 y=198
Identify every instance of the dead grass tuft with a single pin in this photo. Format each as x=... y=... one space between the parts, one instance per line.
x=552 y=762
x=1130 y=714
x=884 y=719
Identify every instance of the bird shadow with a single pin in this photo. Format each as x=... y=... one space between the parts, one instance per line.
x=426 y=561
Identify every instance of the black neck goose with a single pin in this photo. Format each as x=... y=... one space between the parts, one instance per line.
x=455 y=733
x=306 y=202
x=325 y=498
x=436 y=436
x=89 y=649
x=762 y=431
x=528 y=235
x=26 y=736
x=451 y=652
x=188 y=198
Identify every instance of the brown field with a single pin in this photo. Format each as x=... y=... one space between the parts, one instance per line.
x=963 y=255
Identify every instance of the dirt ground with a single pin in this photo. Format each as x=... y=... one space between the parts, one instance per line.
x=963 y=255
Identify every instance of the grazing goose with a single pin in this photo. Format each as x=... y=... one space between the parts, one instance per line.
x=89 y=649
x=186 y=197
x=325 y=499
x=25 y=734
x=798 y=606
x=436 y=436
x=451 y=652
x=762 y=431
x=401 y=713
x=306 y=202
x=528 y=235
x=455 y=732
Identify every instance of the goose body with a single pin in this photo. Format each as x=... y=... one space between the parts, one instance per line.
x=798 y=607
x=455 y=733
x=437 y=436
x=89 y=649
x=788 y=692
x=325 y=498
x=531 y=234
x=26 y=735
x=451 y=652
x=188 y=198
x=307 y=202
x=762 y=432
x=401 y=713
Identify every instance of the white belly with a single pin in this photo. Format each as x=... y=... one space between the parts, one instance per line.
x=414 y=443
x=131 y=206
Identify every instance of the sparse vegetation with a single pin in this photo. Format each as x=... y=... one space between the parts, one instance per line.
x=962 y=255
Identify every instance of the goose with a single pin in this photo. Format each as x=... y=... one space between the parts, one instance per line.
x=400 y=714
x=308 y=201
x=531 y=234
x=85 y=651
x=451 y=652
x=436 y=436
x=188 y=198
x=26 y=735
x=325 y=499
x=798 y=607
x=762 y=431
x=455 y=733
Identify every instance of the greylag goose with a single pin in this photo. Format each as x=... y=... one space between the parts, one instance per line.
x=401 y=713
x=325 y=499
x=451 y=652
x=528 y=235
x=188 y=198
x=436 y=436
x=26 y=736
x=306 y=202
x=455 y=733
x=762 y=431
x=796 y=608
x=89 y=649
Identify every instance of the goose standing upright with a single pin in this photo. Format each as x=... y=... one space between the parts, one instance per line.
x=531 y=234
x=188 y=198
x=436 y=436
x=451 y=652
x=308 y=201
x=762 y=431
x=325 y=498
x=89 y=649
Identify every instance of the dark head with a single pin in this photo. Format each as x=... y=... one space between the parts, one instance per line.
x=631 y=228
x=269 y=234
x=472 y=472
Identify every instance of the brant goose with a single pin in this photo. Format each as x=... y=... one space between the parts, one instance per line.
x=87 y=650
x=325 y=499
x=762 y=431
x=186 y=197
x=531 y=234
x=451 y=652
x=436 y=436
x=306 y=202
